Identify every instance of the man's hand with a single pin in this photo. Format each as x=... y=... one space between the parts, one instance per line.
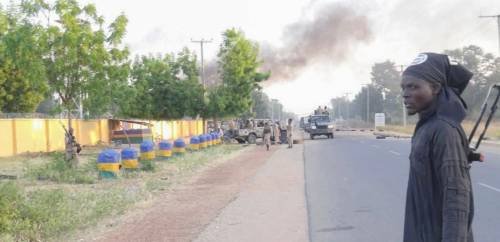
x=475 y=156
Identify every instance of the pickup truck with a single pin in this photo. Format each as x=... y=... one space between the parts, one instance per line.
x=319 y=125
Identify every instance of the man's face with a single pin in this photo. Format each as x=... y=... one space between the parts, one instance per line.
x=417 y=94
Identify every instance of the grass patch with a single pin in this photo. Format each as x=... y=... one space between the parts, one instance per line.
x=148 y=165
x=195 y=159
x=400 y=129
x=44 y=214
x=153 y=185
x=493 y=131
x=60 y=171
x=34 y=210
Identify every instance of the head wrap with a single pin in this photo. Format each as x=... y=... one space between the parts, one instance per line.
x=453 y=78
x=440 y=69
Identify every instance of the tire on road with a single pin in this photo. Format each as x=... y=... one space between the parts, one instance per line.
x=252 y=139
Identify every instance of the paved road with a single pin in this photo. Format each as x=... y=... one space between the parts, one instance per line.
x=356 y=188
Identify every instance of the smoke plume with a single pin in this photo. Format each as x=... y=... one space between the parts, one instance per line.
x=329 y=35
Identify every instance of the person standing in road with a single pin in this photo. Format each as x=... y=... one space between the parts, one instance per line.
x=439 y=199
x=277 y=132
x=318 y=111
x=289 y=133
x=267 y=135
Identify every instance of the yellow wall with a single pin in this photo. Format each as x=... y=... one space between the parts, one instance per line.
x=44 y=135
x=6 y=142
x=185 y=129
x=170 y=130
x=89 y=132
x=200 y=127
x=105 y=130
x=56 y=135
x=31 y=135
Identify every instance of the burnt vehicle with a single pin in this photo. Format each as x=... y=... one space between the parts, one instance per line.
x=318 y=125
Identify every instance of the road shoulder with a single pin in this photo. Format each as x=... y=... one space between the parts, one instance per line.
x=270 y=207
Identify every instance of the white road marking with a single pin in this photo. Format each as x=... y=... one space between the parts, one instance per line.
x=488 y=186
x=394 y=152
x=375 y=146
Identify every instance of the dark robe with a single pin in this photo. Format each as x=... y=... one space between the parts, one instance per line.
x=439 y=203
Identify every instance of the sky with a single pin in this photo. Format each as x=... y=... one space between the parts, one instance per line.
x=316 y=49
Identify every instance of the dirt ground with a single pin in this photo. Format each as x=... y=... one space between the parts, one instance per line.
x=182 y=212
x=270 y=207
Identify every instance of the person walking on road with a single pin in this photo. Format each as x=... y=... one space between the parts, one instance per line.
x=289 y=133
x=439 y=200
x=267 y=135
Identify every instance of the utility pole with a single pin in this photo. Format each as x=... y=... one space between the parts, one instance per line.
x=498 y=25
x=347 y=103
x=272 y=111
x=273 y=101
x=339 y=113
x=202 y=42
x=402 y=99
x=367 y=102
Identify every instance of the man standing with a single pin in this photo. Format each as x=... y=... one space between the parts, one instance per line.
x=267 y=135
x=439 y=202
x=289 y=133
x=277 y=132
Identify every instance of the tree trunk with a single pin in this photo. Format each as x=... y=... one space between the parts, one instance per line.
x=69 y=144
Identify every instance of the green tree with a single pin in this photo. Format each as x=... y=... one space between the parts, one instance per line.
x=376 y=102
x=80 y=54
x=386 y=78
x=166 y=87
x=486 y=72
x=152 y=80
x=190 y=91
x=238 y=65
x=108 y=91
x=23 y=81
x=217 y=101
x=261 y=107
x=340 y=106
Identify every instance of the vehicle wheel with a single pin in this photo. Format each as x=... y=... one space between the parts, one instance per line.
x=252 y=138
x=312 y=136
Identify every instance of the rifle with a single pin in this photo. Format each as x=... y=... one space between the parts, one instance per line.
x=493 y=109
x=72 y=138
